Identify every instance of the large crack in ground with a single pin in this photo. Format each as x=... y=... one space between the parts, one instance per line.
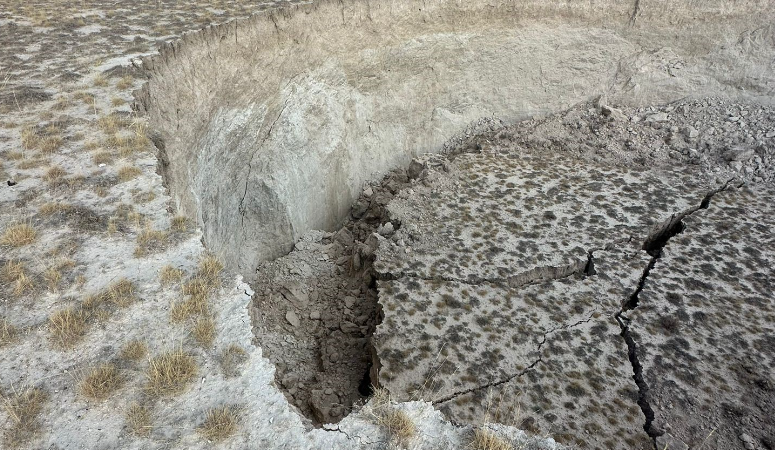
x=653 y=245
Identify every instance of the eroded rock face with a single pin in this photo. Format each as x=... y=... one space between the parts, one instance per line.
x=268 y=127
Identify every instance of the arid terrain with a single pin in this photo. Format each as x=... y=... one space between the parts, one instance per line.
x=421 y=225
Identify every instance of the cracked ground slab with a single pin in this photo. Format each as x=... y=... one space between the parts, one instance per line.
x=523 y=328
x=704 y=327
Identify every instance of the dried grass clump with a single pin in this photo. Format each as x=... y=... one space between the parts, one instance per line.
x=100 y=81
x=54 y=174
x=16 y=274
x=101 y=382
x=179 y=223
x=18 y=235
x=399 y=426
x=53 y=277
x=51 y=208
x=125 y=82
x=231 y=359
x=8 y=333
x=102 y=157
x=210 y=269
x=29 y=138
x=121 y=294
x=50 y=144
x=134 y=350
x=169 y=275
x=169 y=373
x=204 y=332
x=150 y=240
x=220 y=423
x=138 y=419
x=127 y=173
x=196 y=305
x=484 y=439
x=23 y=409
x=67 y=326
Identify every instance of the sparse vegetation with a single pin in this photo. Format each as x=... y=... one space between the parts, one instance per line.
x=67 y=326
x=101 y=382
x=23 y=409
x=127 y=173
x=179 y=223
x=484 y=439
x=398 y=425
x=169 y=275
x=16 y=274
x=231 y=359
x=204 y=332
x=7 y=333
x=220 y=423
x=170 y=372
x=149 y=241
x=139 y=420
x=134 y=350
x=18 y=235
x=196 y=305
x=54 y=174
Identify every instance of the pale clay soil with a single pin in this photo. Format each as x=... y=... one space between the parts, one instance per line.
x=76 y=166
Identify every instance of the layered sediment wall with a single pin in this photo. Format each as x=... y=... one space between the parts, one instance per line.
x=268 y=127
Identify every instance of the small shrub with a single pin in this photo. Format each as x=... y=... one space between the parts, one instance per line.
x=101 y=382
x=220 y=423
x=18 y=235
x=169 y=373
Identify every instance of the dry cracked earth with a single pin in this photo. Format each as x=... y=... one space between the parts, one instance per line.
x=602 y=276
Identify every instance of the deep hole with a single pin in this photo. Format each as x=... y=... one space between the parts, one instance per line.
x=366 y=389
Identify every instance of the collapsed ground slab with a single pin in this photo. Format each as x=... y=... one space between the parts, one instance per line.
x=705 y=326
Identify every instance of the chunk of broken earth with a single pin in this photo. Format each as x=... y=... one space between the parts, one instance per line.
x=292 y=318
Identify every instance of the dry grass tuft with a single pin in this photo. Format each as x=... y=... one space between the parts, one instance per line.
x=220 y=423
x=204 y=332
x=231 y=359
x=50 y=144
x=7 y=333
x=125 y=83
x=134 y=350
x=196 y=305
x=121 y=294
x=23 y=409
x=51 y=208
x=53 y=277
x=67 y=326
x=29 y=138
x=399 y=426
x=18 y=235
x=210 y=268
x=169 y=373
x=102 y=157
x=150 y=240
x=127 y=173
x=100 y=81
x=179 y=223
x=16 y=274
x=138 y=419
x=484 y=439
x=54 y=174
x=169 y=275
x=101 y=382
